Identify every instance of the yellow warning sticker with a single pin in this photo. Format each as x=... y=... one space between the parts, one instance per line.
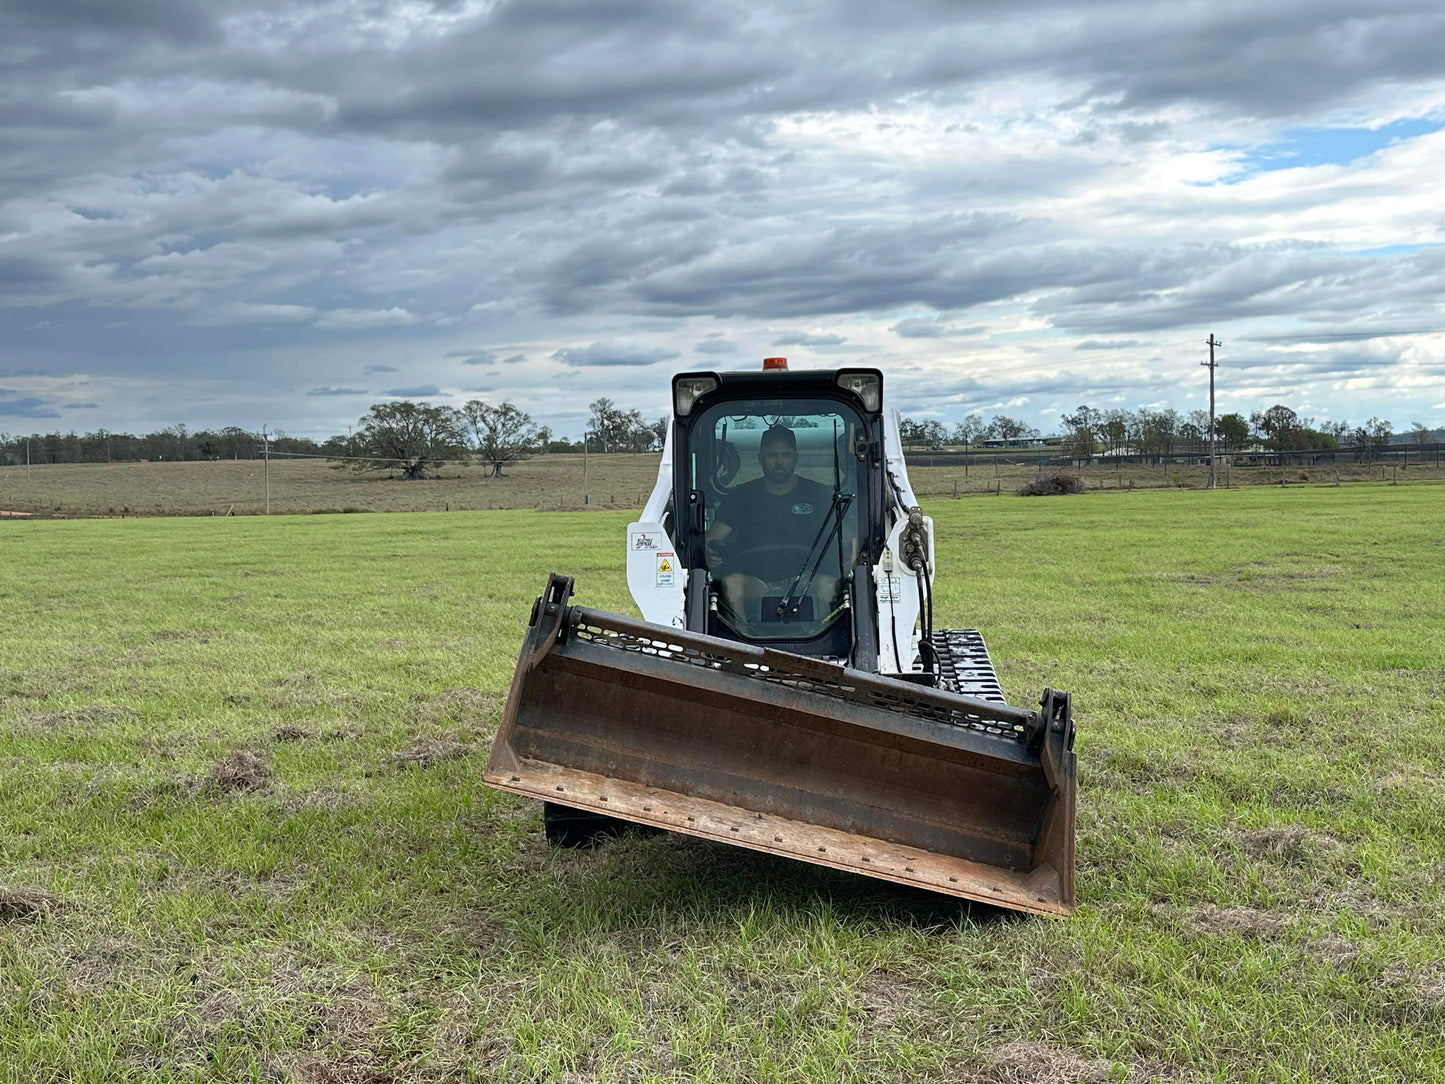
x=666 y=569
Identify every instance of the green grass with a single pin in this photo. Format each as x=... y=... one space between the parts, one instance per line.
x=1258 y=678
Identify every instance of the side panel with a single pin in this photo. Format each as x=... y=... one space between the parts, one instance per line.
x=655 y=575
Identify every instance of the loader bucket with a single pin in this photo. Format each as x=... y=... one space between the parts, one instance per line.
x=791 y=755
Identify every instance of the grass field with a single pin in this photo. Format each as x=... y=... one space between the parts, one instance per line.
x=550 y=482
x=242 y=835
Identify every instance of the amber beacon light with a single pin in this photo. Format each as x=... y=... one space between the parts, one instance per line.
x=774 y=363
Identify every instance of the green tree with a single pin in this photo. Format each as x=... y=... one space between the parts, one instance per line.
x=1007 y=429
x=499 y=434
x=968 y=431
x=1232 y=431
x=1083 y=427
x=1278 y=426
x=408 y=437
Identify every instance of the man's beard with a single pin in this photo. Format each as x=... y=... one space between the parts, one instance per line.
x=778 y=475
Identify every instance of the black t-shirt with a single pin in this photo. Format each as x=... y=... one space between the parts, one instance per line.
x=759 y=518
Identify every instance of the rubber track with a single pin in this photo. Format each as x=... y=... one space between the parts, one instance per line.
x=965 y=666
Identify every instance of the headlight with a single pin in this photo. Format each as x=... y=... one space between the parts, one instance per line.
x=868 y=386
x=687 y=390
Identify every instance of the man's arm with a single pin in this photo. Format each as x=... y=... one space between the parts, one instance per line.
x=716 y=535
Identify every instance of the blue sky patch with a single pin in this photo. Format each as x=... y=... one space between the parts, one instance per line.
x=1330 y=146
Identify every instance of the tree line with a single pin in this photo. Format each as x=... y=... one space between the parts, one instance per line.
x=411 y=438
x=1089 y=431
x=404 y=437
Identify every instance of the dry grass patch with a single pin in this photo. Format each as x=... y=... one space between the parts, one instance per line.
x=1043 y=1063
x=426 y=751
x=291 y=732
x=87 y=717
x=1270 y=927
x=21 y=904
x=238 y=772
x=463 y=705
x=1294 y=845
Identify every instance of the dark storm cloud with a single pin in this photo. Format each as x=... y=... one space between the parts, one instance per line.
x=82 y=406
x=474 y=357
x=420 y=391
x=29 y=407
x=610 y=354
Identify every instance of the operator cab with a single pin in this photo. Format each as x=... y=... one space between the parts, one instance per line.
x=777 y=506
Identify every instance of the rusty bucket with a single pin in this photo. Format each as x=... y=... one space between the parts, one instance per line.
x=791 y=755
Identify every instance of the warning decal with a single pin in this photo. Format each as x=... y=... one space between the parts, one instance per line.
x=666 y=569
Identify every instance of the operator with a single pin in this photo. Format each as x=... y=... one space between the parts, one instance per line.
x=769 y=523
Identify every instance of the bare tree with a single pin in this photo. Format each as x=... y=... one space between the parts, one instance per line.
x=500 y=434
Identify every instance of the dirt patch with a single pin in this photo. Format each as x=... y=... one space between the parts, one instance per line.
x=89 y=715
x=291 y=732
x=1294 y=844
x=425 y=752
x=21 y=904
x=238 y=773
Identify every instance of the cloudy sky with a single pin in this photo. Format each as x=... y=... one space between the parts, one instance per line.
x=279 y=211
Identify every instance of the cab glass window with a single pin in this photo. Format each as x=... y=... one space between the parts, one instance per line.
x=783 y=517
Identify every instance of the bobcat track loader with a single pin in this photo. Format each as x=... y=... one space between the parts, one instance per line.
x=786 y=689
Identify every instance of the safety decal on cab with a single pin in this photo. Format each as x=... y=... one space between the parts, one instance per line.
x=666 y=569
x=802 y=509
x=644 y=541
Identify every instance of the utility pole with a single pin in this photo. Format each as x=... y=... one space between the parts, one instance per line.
x=1211 y=363
x=266 y=442
x=586 y=495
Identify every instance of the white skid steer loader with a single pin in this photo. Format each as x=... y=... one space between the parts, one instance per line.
x=786 y=689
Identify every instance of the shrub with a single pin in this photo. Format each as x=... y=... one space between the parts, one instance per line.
x=1055 y=485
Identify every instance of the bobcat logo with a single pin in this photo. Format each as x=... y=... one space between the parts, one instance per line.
x=802 y=509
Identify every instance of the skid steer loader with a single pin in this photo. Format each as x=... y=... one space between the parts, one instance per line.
x=786 y=689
